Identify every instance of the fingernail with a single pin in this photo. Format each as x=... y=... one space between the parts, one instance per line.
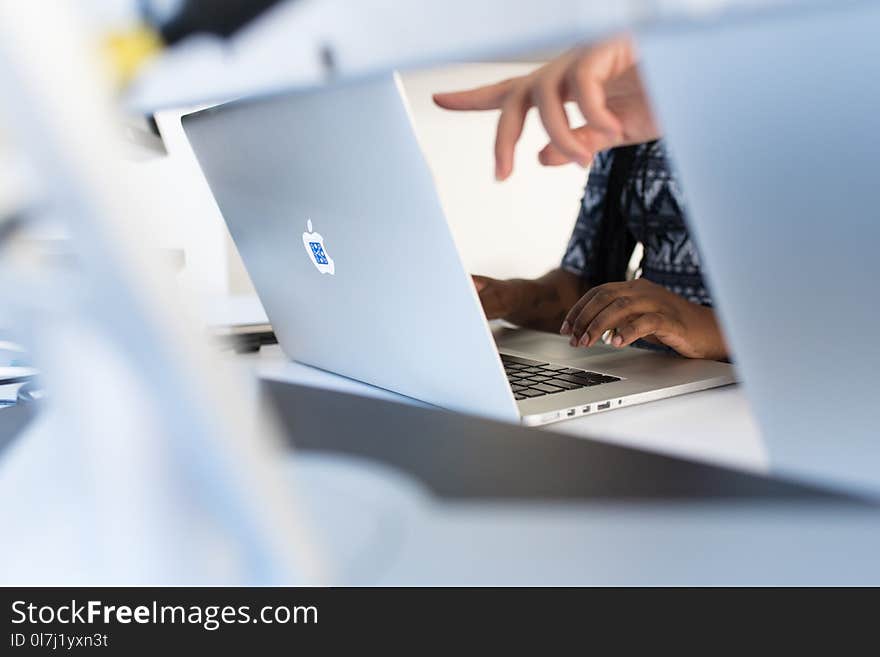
x=566 y=328
x=617 y=341
x=574 y=341
x=585 y=339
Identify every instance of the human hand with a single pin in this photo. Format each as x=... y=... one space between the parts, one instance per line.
x=500 y=299
x=642 y=309
x=604 y=81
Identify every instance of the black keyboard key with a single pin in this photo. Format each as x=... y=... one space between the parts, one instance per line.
x=579 y=380
x=531 y=393
x=596 y=379
x=505 y=358
x=573 y=375
x=518 y=388
x=544 y=387
x=565 y=384
x=590 y=379
x=519 y=397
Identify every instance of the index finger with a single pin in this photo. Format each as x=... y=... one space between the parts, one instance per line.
x=481 y=98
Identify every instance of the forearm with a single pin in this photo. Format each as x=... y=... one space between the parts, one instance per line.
x=542 y=303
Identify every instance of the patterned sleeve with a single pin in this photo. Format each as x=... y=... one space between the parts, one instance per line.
x=578 y=258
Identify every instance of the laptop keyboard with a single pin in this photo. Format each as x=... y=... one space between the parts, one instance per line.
x=534 y=378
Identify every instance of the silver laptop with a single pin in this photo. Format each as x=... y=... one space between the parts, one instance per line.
x=335 y=213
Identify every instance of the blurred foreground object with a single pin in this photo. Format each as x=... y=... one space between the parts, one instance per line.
x=131 y=47
x=785 y=216
x=129 y=51
x=209 y=17
x=160 y=470
x=301 y=42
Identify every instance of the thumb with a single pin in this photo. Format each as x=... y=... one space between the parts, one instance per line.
x=593 y=139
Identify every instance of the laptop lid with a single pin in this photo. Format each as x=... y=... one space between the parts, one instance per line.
x=334 y=211
x=773 y=123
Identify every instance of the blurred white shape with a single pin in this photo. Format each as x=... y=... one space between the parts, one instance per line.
x=292 y=44
x=176 y=478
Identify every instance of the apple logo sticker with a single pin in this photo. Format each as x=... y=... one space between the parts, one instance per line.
x=314 y=243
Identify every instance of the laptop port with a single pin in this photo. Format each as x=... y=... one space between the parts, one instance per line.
x=603 y=406
x=571 y=412
x=586 y=409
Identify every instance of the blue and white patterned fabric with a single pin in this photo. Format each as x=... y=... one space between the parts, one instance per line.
x=653 y=204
